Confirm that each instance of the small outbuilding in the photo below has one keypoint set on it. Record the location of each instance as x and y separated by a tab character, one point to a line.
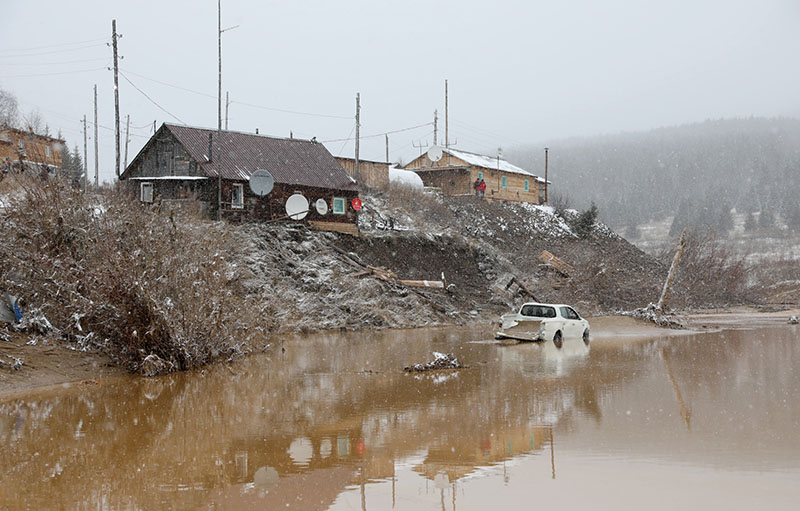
213	169
456	171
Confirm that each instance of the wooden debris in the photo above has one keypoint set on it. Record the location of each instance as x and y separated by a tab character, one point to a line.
557	264
672	270
441	361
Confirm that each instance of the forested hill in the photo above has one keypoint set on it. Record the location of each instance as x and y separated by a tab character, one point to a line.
699	169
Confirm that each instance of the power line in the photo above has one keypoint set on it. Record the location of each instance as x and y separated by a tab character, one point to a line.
252	105
151	99
54	45
59	73
50	52
54	63
347	139
382	134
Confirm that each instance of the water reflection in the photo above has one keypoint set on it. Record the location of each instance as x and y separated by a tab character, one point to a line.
333	419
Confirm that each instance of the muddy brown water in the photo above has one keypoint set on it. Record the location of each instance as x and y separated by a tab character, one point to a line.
701	421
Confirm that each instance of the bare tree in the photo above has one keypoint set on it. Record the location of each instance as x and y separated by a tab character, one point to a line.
9	109
35	123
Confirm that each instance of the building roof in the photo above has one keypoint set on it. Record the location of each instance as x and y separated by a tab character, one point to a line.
290	160
488	162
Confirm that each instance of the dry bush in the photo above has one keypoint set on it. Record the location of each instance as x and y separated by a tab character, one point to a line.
709	273
112	273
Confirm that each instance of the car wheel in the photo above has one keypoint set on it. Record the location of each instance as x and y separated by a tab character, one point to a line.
557	340
586	337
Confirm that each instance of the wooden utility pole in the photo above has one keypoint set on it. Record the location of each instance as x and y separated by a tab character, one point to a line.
671	274
358	128
127	139
96	147
387	147
545	173
114	38
436	127
219	82
85	157
446	118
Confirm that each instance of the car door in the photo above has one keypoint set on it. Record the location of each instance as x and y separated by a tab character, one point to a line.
571	322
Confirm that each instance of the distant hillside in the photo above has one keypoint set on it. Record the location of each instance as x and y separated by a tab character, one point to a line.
696	172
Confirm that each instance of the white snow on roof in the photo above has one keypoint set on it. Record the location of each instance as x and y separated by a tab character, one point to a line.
405	177
488	162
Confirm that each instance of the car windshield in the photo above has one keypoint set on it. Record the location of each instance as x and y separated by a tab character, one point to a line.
538	311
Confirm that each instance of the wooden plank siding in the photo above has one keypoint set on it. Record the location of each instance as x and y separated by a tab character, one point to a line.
370	173
19	145
455	177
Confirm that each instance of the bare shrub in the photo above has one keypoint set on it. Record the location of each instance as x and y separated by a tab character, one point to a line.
115	274
709	273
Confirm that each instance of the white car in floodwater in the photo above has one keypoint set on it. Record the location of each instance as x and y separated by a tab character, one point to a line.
543	322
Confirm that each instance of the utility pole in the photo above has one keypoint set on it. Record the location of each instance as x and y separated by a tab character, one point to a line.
219	48
227	107
435	127
127	139
446	118
387	147
358	128
85	157
546	150
114	38
96	148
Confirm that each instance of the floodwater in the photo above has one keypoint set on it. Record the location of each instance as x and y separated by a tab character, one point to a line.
704	421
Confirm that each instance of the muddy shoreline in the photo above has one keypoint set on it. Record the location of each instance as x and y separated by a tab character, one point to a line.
49	363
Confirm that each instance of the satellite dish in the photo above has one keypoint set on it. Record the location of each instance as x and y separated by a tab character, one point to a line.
261	182
322	206
296	207
435	153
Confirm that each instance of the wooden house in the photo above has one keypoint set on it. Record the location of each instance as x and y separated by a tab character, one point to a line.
456	171
370	173
180	163
25	150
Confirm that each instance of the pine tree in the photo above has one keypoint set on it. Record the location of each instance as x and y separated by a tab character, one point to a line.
750	223
766	220
584	223
724	219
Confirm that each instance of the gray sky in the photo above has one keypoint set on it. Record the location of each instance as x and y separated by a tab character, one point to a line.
519	71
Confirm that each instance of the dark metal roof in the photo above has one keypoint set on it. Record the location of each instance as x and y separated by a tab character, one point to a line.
237	155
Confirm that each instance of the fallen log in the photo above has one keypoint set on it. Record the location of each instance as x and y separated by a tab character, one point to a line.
441	361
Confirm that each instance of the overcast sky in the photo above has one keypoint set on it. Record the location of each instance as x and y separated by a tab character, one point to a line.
519	72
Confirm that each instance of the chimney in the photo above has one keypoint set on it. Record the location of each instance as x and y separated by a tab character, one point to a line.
256	131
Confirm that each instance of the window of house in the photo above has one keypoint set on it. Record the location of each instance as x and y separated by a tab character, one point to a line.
527	186
237	196
21	144
146	192
480	175
504	182
47	151
338	205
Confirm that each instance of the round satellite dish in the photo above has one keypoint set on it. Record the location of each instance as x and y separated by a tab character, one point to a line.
261	182
296	207
435	153
322	206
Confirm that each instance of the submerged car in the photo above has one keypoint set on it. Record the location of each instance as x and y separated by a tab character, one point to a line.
543	322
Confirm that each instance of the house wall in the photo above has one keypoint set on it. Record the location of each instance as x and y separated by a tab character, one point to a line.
273	206
441	174
34	147
451	181
164	157
515	185
370	173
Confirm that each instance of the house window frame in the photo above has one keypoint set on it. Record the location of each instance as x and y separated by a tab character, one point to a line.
237	204
504	182
142	186
47	151
527	185
339	205
480	174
